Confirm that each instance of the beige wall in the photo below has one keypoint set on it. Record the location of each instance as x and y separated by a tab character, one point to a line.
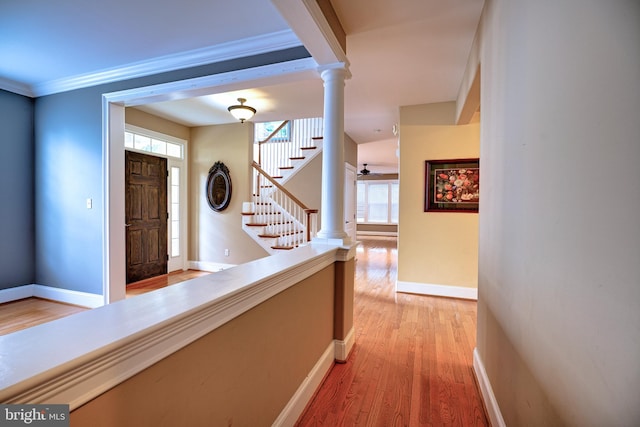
350	151
212	232
306	185
242	373
559	270
434	248
148	121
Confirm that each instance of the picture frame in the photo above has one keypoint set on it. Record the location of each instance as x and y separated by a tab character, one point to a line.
218	191
452	185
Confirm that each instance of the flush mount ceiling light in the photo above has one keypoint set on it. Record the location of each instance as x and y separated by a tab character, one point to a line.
242	112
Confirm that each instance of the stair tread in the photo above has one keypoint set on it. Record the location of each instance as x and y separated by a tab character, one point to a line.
256	224
308	148
282	247
317	137
285	167
248	213
297	158
269	236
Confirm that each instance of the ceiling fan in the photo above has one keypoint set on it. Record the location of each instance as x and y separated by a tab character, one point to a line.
366	172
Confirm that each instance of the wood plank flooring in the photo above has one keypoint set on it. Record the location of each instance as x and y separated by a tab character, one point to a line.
412	361
28	312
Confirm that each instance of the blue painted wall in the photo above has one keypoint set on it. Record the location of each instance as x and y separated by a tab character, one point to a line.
16	191
68	147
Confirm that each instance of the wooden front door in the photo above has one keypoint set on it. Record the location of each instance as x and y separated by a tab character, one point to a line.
146	215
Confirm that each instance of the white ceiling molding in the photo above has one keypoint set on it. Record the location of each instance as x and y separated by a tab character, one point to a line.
236	49
312	28
272	74
15	87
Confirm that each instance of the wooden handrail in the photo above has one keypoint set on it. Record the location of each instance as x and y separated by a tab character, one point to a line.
283	124
279	186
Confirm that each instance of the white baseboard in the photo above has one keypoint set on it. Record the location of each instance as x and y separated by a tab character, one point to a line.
343	348
209	266
307	389
490	402
377	233
17	293
83	299
437	290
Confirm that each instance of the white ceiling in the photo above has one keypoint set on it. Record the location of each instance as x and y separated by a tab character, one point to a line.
401	52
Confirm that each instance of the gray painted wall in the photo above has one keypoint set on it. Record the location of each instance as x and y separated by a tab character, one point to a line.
16	191
68	144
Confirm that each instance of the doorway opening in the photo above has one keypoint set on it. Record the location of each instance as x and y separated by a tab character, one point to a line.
174	150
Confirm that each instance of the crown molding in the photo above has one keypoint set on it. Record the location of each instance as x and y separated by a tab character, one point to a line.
235	49
15	87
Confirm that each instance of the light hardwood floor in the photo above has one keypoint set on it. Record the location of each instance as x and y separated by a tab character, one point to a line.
28	312
412	360
411	364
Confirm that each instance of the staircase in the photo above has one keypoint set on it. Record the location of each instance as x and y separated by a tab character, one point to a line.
276	219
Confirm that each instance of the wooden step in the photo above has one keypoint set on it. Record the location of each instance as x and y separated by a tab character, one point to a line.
269	236
285	167
308	148
277	177
248	213
256	224
316	138
284	248
296	158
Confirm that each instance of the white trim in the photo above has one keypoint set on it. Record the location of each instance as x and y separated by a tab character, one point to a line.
231	50
209	266
490	402
307	389
344	347
156	135
83	369
16	293
16	87
378	233
83	299
113	123
265	75
437	290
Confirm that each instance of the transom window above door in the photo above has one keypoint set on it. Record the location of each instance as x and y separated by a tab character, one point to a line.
143	141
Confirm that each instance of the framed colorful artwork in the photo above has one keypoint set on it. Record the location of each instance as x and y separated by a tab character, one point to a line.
452	185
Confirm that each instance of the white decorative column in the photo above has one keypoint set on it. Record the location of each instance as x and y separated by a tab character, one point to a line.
332	204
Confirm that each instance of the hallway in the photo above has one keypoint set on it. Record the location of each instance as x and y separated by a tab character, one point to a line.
412	360
411	364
